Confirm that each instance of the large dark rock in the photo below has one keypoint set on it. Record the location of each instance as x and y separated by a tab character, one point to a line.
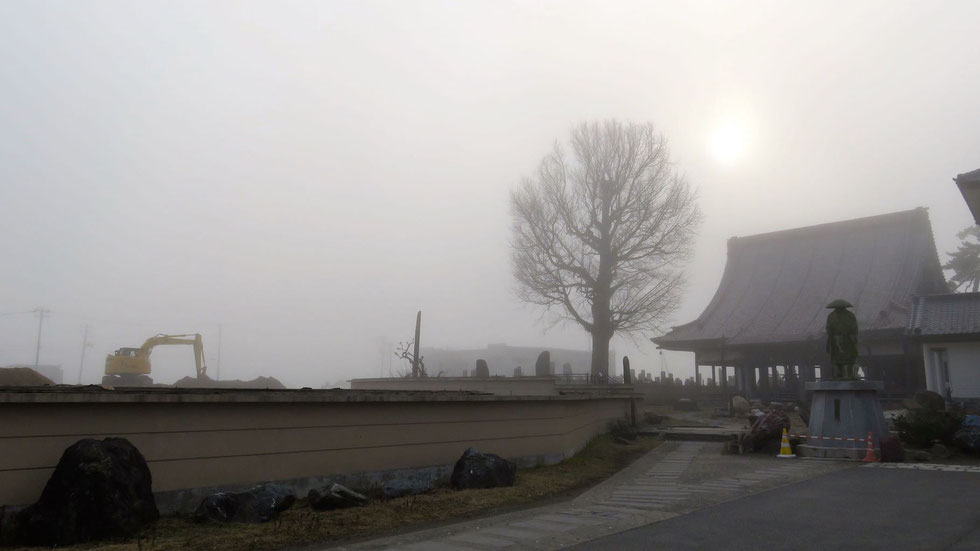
334	497
918	455
940	451
930	400
766	428
100	489
968	438
891	449
482	470
542	366
401	487
259	504
740	406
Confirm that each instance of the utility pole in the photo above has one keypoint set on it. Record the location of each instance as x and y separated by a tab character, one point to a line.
218	376
40	322
416	370
81	363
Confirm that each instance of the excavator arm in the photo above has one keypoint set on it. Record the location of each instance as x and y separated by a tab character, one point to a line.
191	339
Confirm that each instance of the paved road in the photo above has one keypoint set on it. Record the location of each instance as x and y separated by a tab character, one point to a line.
676	478
866	508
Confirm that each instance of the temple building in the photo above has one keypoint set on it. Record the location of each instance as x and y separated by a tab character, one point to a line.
969	184
766	320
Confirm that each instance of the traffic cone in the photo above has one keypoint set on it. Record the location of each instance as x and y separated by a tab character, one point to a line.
869	455
784	450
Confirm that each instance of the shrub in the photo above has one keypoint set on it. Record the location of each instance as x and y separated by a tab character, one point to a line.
652	418
920	427
621	428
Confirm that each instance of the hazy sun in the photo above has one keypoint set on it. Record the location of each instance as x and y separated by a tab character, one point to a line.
728	142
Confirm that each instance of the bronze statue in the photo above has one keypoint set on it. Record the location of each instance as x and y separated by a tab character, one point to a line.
842	333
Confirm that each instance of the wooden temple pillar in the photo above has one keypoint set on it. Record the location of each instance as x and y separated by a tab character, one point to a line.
805	375
745	380
809	373
764	378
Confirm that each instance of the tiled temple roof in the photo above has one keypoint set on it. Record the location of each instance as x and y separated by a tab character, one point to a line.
947	314
776	286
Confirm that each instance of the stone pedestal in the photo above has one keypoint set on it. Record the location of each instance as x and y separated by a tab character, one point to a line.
841	410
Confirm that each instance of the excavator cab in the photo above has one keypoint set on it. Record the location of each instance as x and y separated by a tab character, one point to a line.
126	361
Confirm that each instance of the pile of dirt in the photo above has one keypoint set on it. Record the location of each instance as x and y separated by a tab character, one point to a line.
22	376
207	382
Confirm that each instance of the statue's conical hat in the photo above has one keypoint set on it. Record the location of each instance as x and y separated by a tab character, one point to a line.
840	303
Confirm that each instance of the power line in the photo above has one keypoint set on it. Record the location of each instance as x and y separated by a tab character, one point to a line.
5	314
134	323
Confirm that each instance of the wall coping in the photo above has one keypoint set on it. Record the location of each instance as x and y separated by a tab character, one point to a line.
494	378
98	394
844	385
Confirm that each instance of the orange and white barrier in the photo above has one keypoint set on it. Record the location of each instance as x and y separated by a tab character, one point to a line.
869	455
838	438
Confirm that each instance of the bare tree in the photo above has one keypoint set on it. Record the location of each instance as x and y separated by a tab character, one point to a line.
601	237
404	351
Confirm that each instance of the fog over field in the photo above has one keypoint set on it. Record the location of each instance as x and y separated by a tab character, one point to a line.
308	175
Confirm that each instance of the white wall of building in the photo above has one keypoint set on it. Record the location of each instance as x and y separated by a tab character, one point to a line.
956	364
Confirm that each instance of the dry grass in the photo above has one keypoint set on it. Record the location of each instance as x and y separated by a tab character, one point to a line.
301	526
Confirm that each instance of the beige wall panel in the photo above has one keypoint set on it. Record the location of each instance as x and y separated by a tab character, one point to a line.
221	442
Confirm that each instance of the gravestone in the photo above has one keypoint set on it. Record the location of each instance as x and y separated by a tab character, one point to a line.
482	369
628	380
543	364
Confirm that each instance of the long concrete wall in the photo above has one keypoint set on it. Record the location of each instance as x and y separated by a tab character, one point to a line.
223	438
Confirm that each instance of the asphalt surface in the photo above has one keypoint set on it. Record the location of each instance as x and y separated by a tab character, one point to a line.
866	509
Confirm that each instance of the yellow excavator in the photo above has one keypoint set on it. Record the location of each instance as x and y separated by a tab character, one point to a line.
131	366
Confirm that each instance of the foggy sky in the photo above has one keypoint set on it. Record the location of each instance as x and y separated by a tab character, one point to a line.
309	174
